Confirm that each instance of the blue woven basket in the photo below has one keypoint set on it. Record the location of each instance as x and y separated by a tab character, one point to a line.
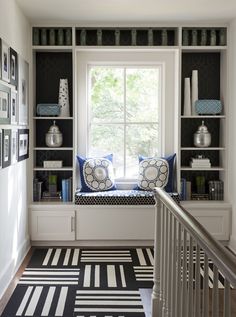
208	106
48	109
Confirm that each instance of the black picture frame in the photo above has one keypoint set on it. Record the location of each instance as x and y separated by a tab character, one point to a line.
6	148
23	91
13	67
5	61
23	144
5	104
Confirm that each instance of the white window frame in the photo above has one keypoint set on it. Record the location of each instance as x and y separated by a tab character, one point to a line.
168	59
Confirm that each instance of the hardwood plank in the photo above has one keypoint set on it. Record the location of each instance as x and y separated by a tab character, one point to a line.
7	295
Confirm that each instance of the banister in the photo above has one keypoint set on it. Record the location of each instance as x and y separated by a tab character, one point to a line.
220	256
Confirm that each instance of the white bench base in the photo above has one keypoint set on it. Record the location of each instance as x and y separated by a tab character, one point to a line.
106	222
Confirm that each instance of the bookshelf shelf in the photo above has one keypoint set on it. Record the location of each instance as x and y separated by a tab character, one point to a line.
202	149
53	169
214	168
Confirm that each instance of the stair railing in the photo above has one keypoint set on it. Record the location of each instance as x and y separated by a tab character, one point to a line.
194	275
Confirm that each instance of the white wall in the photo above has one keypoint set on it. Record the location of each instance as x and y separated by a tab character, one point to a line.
14	238
232	129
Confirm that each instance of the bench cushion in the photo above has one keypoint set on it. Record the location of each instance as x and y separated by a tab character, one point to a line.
118	197
115	197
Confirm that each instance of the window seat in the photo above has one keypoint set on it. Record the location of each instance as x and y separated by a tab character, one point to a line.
118	215
118	197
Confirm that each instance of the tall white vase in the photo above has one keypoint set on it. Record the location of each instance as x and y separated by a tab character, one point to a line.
194	90
63	99
187	97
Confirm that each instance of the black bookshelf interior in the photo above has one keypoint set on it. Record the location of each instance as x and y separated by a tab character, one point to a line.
208	66
50	68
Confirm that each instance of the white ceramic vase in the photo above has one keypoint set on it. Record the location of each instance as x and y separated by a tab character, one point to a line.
63	99
194	90
187	97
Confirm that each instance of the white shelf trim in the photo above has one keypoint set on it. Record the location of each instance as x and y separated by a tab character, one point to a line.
202	148
53	169
204	117
53	148
214	168
53	118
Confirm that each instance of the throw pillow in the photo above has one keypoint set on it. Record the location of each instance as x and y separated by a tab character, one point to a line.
156	172
96	173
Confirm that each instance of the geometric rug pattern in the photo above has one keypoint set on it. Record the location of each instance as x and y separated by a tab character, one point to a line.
83	283
72	282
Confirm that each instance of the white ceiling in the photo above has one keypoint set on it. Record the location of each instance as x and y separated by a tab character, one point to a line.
127	11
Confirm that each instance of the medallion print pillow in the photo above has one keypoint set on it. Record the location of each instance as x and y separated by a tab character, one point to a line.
156	172
153	173
96	173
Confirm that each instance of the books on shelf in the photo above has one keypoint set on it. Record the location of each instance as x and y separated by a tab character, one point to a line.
200	163
67	189
216	190
48	196
186	189
200	196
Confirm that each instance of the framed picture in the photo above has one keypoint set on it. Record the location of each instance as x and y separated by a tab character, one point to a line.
14	106
14	146
23	144
5	63
6	148
0	148
5	99
23	89
13	67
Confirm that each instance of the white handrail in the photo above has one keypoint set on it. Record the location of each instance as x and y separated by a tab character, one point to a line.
188	260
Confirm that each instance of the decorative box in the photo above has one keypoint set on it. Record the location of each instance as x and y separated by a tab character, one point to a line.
208	106
48	109
52	164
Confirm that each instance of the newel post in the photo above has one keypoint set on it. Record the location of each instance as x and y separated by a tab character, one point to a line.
156	304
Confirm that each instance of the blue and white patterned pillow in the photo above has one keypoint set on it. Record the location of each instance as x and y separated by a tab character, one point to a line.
156	172
96	173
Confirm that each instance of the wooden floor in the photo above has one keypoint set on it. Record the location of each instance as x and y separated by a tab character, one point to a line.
4	300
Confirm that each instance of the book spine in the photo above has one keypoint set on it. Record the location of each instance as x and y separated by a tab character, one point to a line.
188	190
64	190
183	189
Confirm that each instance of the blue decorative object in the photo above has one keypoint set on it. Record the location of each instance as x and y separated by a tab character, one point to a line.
163	176
96	174
48	109
208	106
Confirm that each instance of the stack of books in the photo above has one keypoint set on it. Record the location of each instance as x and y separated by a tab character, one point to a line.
200	163
47	196
67	189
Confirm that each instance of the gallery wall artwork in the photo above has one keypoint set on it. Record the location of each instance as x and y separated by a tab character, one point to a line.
14	103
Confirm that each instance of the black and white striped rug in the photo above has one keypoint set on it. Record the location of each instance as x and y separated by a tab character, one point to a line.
83	283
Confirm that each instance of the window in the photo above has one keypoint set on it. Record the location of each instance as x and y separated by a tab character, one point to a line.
103	113
124	105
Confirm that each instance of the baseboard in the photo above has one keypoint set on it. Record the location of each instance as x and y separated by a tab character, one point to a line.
10	270
232	244
95	243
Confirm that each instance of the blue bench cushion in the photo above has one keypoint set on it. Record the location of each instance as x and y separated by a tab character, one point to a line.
117	197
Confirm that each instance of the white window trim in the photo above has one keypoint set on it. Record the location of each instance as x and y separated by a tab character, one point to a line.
169	61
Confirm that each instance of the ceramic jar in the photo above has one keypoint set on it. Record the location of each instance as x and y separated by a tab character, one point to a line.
202	137
54	137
